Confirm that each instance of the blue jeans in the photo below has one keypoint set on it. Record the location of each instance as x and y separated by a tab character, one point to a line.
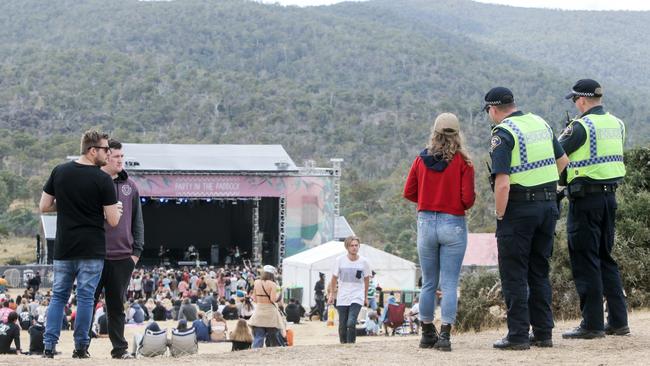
442	240
348	322
87	272
260	334
372	303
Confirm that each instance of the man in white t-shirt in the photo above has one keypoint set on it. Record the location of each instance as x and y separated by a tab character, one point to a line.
352	274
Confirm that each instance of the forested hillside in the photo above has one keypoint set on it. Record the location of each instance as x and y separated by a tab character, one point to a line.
361	81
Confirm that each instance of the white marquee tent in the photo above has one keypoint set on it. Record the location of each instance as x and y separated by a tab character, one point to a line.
301	270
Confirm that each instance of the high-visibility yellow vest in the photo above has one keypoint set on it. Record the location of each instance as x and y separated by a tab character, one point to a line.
533	158
601	156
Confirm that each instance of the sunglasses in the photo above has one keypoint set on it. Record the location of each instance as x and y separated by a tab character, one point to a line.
105	148
487	109
575	98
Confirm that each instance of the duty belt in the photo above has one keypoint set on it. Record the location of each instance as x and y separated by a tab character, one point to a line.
532	196
580	190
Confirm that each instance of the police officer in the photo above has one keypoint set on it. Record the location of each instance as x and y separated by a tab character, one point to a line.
526	161
594	143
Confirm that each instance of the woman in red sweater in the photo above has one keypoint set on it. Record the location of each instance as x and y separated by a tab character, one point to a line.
441	182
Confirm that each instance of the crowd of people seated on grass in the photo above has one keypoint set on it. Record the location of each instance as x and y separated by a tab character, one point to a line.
200	300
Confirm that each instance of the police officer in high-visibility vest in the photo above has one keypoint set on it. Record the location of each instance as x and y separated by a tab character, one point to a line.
594	143
526	161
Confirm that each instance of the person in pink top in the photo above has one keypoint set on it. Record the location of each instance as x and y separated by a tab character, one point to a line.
5	311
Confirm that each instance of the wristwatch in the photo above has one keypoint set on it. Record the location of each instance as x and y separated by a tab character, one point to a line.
497	215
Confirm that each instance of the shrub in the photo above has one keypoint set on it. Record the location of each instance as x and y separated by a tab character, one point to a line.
480	304
14	261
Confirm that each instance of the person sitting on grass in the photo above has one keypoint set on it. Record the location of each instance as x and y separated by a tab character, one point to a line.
36	331
150	344
202	328
218	327
183	340
241	337
10	332
230	311
247	308
293	311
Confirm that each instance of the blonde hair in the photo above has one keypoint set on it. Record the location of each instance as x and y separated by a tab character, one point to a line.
241	333
447	145
349	241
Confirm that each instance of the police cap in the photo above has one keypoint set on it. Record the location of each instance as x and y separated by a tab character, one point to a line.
498	96
585	88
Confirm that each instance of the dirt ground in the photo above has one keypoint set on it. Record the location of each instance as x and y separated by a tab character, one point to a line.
317	344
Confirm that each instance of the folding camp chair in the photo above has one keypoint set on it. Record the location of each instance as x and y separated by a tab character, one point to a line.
394	317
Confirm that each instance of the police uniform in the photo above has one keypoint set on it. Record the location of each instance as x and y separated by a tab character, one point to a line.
594	144
523	147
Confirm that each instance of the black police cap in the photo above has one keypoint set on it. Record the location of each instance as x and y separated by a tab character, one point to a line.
586	88
498	96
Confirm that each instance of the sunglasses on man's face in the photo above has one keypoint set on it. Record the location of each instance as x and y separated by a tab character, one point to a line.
575	98
487	109
105	148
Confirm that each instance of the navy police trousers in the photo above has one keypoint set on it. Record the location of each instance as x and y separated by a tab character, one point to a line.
525	243
590	230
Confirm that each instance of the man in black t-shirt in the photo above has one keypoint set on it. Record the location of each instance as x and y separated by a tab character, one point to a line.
83	197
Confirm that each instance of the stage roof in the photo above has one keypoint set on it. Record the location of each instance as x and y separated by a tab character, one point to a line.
207	158
342	228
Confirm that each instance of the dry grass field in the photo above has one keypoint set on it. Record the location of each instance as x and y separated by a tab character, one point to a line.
317	344
23	249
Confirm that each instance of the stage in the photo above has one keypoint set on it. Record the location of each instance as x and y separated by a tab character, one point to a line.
218	198
215	227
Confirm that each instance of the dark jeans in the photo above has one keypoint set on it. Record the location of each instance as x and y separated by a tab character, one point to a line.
525	244
320	305
348	322
590	230
263	335
319	309
114	282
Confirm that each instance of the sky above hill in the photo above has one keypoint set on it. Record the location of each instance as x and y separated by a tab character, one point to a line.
553	4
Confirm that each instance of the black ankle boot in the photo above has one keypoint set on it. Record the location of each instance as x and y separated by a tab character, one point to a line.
81	353
444	341
429	335
48	353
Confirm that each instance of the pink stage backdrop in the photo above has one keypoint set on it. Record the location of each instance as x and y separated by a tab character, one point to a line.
309	200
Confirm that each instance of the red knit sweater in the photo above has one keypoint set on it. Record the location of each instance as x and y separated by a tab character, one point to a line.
450	190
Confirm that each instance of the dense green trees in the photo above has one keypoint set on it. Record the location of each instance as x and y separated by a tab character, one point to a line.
361	81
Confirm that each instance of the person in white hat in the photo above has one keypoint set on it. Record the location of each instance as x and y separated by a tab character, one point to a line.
267	322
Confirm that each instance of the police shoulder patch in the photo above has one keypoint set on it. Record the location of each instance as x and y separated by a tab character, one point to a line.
495	142
568	131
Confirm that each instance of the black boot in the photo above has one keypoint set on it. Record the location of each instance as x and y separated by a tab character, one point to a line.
81	353
444	342
429	335
48	353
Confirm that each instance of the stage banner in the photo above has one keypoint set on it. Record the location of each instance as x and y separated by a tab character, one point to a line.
197	186
309	219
